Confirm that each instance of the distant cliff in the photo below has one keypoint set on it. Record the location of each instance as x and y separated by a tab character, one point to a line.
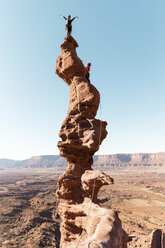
105	161
43	161
137	159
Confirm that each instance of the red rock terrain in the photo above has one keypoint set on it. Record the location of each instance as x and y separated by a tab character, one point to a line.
84	223
28	216
28	206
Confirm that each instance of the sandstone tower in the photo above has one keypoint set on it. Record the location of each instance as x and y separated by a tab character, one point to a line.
84	223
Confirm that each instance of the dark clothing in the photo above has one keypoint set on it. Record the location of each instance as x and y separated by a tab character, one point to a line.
68	28
68	25
87	73
87	76
69	21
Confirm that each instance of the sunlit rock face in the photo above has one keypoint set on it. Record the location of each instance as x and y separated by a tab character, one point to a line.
83	222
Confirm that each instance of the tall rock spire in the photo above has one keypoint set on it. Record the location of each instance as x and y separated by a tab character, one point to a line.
83	220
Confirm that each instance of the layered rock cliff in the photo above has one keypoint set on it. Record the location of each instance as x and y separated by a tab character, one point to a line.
84	223
137	159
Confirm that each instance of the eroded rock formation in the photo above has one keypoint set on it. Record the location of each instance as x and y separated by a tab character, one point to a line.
84	223
157	239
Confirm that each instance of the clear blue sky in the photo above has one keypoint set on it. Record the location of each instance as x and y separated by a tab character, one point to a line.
124	41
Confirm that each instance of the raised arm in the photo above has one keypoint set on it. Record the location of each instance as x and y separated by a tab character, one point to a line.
63	17
74	18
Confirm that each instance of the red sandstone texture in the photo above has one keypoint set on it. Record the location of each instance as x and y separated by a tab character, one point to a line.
84	223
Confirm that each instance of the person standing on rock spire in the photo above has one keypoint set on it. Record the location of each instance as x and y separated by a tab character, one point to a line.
69	21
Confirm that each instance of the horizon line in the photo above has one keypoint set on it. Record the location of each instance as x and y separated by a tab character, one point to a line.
124	153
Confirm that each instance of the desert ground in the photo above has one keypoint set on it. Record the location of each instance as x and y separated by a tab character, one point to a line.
138	195
28	205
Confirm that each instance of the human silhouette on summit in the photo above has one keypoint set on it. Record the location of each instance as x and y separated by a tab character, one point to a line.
69	21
